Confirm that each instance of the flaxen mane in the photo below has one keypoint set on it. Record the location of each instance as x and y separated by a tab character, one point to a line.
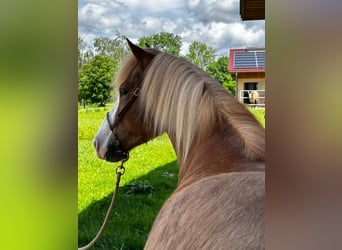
181	98
184	100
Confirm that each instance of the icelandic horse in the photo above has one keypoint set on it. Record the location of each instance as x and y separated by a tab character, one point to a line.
220	146
253	97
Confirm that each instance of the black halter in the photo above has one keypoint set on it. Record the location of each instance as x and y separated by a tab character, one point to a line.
121	115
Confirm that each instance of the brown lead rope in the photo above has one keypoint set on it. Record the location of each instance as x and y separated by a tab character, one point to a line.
120	170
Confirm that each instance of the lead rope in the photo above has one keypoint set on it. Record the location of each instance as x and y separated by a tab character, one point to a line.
120	170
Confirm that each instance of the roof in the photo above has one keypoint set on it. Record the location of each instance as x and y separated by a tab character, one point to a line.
252	9
246	60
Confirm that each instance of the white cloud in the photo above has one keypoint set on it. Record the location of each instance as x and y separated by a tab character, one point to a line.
216	23
153	5
215	11
241	34
96	18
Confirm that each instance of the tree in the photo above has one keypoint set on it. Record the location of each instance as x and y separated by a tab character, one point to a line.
115	48
218	70
81	48
85	53
97	64
165	42
200	54
95	80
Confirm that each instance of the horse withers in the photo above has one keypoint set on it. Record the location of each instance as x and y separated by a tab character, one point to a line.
220	146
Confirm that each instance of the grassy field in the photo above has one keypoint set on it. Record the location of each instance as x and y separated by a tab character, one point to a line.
151	176
259	113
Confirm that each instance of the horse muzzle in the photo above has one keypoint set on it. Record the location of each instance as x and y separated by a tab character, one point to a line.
115	155
114	151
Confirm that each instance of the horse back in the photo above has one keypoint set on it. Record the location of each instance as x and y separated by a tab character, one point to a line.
225	211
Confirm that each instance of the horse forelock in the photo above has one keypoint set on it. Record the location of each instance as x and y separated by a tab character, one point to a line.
126	68
183	100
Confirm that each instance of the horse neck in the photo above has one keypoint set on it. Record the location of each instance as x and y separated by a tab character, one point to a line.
220	152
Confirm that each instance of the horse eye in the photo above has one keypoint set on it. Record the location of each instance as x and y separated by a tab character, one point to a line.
123	91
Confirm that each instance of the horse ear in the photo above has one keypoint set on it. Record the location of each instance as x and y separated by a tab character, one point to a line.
147	45
140	54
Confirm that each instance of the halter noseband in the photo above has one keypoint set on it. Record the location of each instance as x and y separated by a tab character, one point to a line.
121	115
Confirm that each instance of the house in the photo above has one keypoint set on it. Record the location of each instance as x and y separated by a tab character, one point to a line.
247	67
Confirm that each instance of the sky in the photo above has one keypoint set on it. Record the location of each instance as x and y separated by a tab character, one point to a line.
216	23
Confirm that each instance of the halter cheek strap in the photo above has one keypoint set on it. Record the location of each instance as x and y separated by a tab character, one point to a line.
121	115
123	112
115	137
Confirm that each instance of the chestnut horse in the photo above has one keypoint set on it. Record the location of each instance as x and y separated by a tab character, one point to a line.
219	200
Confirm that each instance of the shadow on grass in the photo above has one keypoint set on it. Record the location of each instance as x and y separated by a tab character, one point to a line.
136	207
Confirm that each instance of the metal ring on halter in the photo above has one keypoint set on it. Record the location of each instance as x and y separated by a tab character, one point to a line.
125	156
120	169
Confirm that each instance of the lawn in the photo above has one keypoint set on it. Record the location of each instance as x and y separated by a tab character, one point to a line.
259	113
151	176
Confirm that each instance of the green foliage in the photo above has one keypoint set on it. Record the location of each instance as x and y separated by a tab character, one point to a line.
165	42
146	41
95	80
105	46
89	60
218	70
200	54
115	48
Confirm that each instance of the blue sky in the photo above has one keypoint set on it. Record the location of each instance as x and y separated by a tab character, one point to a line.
216	23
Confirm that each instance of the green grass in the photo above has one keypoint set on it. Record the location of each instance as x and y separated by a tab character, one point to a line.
259	113
151	176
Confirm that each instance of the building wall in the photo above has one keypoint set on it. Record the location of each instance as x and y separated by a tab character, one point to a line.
258	77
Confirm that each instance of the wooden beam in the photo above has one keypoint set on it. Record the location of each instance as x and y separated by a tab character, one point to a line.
252	10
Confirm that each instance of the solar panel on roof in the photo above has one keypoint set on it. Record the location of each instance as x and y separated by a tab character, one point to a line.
249	59
260	59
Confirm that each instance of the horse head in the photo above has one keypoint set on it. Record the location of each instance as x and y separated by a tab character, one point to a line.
123	128
253	96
